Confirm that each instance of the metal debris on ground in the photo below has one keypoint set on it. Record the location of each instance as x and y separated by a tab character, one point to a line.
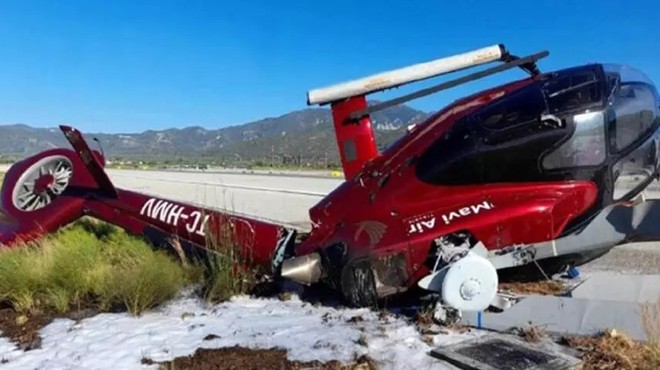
501	352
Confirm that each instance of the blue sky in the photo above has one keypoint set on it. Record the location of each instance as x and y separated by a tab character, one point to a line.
129	66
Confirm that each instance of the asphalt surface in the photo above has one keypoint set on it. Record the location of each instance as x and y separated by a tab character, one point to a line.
284	199
637	258
287	199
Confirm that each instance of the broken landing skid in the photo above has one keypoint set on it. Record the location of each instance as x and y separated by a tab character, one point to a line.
601	302
466	278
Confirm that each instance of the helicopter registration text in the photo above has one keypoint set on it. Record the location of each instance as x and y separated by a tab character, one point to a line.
174	215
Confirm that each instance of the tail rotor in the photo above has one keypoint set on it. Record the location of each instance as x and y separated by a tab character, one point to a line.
42	182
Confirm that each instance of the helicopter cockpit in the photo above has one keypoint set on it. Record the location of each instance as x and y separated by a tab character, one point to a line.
623	130
596	122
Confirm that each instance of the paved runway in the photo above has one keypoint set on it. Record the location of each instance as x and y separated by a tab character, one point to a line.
280	198
287	199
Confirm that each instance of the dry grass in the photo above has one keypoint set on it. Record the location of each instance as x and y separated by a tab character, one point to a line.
424	316
459	328
176	245
615	351
228	270
533	333
546	287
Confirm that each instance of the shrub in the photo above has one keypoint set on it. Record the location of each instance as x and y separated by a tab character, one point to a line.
223	279
22	272
140	278
74	267
92	263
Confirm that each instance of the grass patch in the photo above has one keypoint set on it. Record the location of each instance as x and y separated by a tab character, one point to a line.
228	269
95	264
545	287
616	351
106	268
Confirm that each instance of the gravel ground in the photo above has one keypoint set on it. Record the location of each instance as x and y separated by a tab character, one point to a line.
637	258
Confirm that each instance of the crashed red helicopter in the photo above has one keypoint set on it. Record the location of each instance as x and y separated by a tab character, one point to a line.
519	181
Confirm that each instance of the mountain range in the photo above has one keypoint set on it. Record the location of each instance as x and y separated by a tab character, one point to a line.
302	136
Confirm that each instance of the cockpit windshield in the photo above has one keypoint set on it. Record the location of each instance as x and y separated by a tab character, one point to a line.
626	74
628	114
632	99
633	104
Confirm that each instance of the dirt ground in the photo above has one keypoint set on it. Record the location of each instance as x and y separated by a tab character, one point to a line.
240	358
24	329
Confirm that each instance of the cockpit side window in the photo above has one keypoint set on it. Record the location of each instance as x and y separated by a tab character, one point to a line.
500	142
519	108
586	147
577	96
569	91
634	112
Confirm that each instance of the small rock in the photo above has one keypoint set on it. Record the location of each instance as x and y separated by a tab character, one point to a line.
211	337
29	342
355	319
362	341
284	296
21	320
361	367
432	329
186	315
365	362
147	361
